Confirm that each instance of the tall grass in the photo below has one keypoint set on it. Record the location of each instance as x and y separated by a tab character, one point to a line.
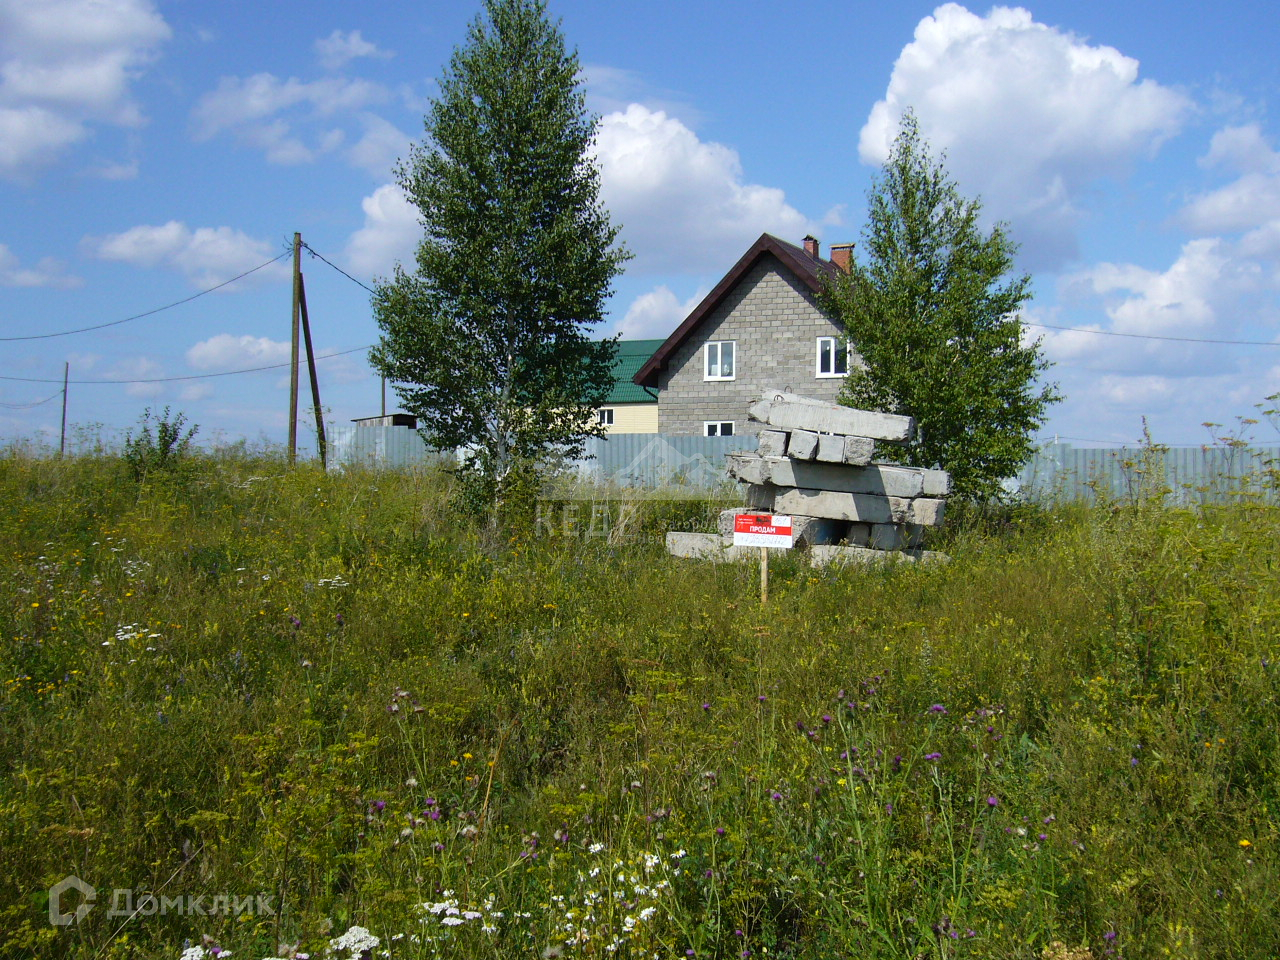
331	692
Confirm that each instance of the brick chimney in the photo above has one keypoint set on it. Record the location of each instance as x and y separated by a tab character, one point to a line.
842	256
811	246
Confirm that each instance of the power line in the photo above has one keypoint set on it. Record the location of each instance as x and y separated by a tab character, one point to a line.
336	267
194	376
1148	336
28	406
139	316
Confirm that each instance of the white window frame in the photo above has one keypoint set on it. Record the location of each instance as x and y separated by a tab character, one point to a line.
817	363
719	426
718	351
604	416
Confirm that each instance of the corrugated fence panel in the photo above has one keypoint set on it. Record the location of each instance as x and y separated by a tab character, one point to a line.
1185	475
660	460
397	448
1057	472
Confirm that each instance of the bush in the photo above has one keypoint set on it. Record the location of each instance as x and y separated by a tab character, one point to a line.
161	450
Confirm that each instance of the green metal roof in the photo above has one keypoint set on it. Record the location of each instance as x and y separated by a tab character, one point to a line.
631	356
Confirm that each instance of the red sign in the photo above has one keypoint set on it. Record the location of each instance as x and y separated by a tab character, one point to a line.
761	530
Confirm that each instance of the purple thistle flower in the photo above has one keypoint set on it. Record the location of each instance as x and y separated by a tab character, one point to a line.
826	718
888	808
1043	837
295	621
993	802
710	873
719	831
762	698
938	708
379	805
706	706
933	756
1133	761
340	620
1109	936
777	796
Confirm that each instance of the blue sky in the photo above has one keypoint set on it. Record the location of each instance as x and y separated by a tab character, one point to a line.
149	150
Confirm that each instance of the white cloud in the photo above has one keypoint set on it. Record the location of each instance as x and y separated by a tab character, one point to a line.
656	314
380	147
195	391
250	109
65	64
338	49
48	272
206	255
683	203
1028	115
1214	290
138	368
391	233
227	352
1253	199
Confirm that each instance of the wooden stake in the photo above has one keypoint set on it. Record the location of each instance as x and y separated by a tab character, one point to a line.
311	369
62	444
293	357
764	575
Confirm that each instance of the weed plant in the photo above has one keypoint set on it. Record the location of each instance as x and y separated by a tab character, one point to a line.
324	715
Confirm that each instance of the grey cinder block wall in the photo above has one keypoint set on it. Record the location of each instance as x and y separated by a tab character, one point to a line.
775	322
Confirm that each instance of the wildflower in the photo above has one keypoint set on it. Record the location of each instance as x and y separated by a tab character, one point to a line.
938	709
295	621
888	808
719	831
762	698
339	619
595	848
826	718
993	802
1133	761
777	797
1245	844
411	783
452	921
379	805
706	706
933	756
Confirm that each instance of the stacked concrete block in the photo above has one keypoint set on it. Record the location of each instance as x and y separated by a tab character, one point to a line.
814	464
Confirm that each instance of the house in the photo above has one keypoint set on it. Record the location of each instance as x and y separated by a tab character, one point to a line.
759	329
630	408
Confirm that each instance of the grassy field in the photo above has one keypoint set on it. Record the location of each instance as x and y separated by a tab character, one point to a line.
304	712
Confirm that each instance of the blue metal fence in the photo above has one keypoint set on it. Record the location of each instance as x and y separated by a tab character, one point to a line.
1057	472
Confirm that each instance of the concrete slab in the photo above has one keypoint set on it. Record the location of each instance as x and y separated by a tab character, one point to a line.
803	414
803	445
773	443
864	507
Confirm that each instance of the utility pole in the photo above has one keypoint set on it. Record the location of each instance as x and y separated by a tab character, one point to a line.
62	444
293	364
315	383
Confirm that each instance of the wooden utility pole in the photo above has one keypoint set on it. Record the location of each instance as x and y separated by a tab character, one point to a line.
321	445
293	361
62	444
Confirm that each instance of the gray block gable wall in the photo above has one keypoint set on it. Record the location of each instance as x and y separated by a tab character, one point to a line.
775	323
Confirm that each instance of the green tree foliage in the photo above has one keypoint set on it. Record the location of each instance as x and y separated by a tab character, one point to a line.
933	309
487	342
160	446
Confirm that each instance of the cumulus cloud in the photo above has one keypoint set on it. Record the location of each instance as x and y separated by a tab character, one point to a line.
206	255
251	108
391	233
65	64
656	314
338	49
381	145
227	352
1250	201
48	272
1213	290
1028	115
683	203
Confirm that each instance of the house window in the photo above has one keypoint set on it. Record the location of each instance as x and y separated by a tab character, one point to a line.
717	428
719	365
605	416
833	357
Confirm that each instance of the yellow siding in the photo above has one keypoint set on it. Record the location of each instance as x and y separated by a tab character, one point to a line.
633	418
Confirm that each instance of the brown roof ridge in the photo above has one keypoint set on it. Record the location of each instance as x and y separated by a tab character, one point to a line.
809	270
